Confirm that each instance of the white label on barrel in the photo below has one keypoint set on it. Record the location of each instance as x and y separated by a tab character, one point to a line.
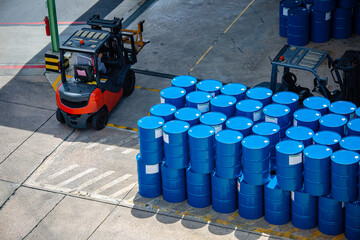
295	123
166	137
151	169
162	100
238	186
327	16
257	115
292	195
158	133
285	11
203	107
342	204
271	119
295	159
217	128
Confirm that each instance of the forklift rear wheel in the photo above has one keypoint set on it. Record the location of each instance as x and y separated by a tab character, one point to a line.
99	120
59	116
129	83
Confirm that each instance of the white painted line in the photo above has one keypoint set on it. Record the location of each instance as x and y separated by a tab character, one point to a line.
91	145
91	181
112	183
124	190
110	148
66	182
61	172
127	151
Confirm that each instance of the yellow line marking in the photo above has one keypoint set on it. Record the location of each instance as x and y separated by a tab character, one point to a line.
338	237
316	234
226	30
55	84
149	89
122	127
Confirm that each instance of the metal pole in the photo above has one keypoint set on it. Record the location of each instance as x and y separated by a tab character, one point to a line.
53	25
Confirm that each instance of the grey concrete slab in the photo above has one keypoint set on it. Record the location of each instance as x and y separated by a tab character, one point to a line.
6	190
24	210
73	218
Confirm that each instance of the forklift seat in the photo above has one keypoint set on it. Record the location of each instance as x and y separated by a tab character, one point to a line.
84	72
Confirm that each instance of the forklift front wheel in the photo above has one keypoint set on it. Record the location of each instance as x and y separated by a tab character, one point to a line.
59	116
99	120
129	83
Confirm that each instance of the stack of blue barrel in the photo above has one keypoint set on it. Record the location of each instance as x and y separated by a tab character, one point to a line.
318	20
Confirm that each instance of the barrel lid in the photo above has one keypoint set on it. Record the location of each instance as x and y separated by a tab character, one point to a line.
265	128
183	81
239	123
198	97
209	85
299	133
298	11
172	92
289	147
285	97
345	157
150	122
316	102
307	115
249	105
318	151
259	93
223	101
163	109
228	136
333	120
176	126
342	107
327	137
276	110
233	89
255	142
357	111
354	124
213	118
351	143
187	113
290	3
201	131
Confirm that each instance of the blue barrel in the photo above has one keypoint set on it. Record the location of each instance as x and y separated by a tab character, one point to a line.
344	175
176	148
278	114
304	209
228	154
284	12
164	110
210	86
330	139
198	187
287	98
186	82
199	100
320	104
351	143
214	119
342	23
236	90
251	109
241	124
255	159
174	96
201	148
224	104
345	108
352	220
189	115
272	132
301	134
324	5
289	164
331	216
224	194
317	170
320	28
250	200
261	94
150	139
353	127
346	3
357	19
173	184
298	26
149	178
307	118
333	122
277	203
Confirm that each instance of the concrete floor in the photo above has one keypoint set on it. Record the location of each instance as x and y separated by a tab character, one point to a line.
61	183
